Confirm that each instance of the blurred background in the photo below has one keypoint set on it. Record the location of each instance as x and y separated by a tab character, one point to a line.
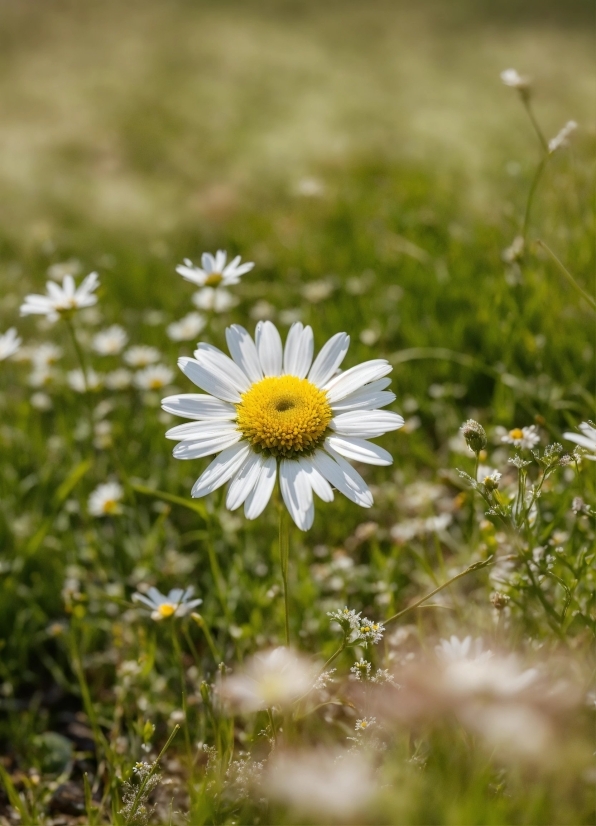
147	117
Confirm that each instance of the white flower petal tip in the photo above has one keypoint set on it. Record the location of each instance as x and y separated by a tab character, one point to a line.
214	272
62	300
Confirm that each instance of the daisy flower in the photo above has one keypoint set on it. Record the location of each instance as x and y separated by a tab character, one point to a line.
118	379
105	500
62	300
216	299
110	342
76	380
154	377
213	271
272	678
9	343
514	80
272	411
586	439
45	354
141	355
177	603
187	328
524	437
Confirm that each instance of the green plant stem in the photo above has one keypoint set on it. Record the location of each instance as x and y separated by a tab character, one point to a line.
143	786
284	552
200	621
98	735
178	650
79	352
586	296
533	186
475	567
528	107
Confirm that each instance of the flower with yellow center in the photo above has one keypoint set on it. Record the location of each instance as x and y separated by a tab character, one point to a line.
64	300
214	272
105	500
177	603
522	437
274	411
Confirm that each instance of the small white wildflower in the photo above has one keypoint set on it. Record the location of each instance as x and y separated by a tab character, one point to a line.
105	500
514	80
323	679
41	377
310	188
187	328
491	480
62	300
361	670
154	377
118	379
316	291
524	438
58	271
370	631
177	603
110	342
365	723
9	343
81	382
561	139
214	299
141	356
214	271
45	354
585	439
383	676
41	401
346	617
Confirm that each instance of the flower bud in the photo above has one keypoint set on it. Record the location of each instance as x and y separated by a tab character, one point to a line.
499	600
474	434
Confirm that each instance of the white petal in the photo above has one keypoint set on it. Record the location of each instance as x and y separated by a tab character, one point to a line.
359	450
347	382
222	468
244	481
244	352
296	493
331	356
220	260
298	351
209	379
192	274
199	430
261	493
210	356
366	398
317	482
208	262
189	449
269	348
198	406
367	424
582	441
343	477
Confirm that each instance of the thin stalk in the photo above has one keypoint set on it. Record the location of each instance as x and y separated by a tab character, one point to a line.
143	786
527	106
178	652
586	296
78	350
200	621
284	552
533	186
476	464
98	734
475	567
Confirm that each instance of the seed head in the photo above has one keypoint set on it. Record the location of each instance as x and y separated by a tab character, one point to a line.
475	435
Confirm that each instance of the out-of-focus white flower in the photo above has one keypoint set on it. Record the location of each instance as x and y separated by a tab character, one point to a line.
455	650
141	356
288	317
177	603
262	309
81	382
516	728
320	783
45	354
512	78
214	271
587	439
41	401
215	299
357	628
272	678
524	438
273	410
310	188
41	376
365	723
62	300
562	138
369	337
105	500
118	379
316	291
154	377
187	328
9	343
110	342
58	271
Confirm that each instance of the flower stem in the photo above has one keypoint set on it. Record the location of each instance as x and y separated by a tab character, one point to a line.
178	652
528	107
568	275
284	552
533	186
78	350
143	786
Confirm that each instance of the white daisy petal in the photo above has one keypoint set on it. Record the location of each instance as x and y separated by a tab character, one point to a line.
582	441
190	449
296	493
198	430
269	348
222	468
207	378
298	351
331	356
210	356
198	406
317	482
350	380
343	477
208	262
244	352
220	260
260	495
244	481
366	424
367	397
359	450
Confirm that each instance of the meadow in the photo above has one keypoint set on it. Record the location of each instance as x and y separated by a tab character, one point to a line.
425	660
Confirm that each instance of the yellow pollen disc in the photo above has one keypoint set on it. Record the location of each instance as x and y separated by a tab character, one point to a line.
166	609
156	384
284	416
110	506
213	279
516	433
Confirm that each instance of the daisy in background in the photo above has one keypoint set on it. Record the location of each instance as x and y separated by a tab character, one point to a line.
214	272
46	354
141	356
64	300
271	411
82	382
9	343
105	500
524	437
154	377
187	328
214	299
118	379
586	439
177	603
110	342
514	80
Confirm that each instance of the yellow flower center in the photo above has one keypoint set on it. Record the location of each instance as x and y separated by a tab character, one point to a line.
110	506
156	384
213	279
284	416
516	433
166	609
